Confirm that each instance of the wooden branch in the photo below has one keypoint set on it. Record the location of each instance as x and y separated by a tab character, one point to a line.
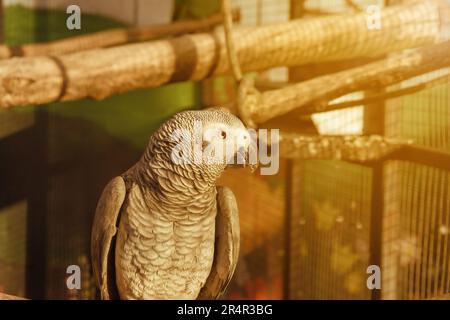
381	97
103	72
305	97
114	37
349	148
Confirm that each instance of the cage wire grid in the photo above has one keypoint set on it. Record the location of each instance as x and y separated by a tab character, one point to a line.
415	253
330	230
417	213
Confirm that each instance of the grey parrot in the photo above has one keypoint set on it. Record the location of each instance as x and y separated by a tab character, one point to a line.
163	229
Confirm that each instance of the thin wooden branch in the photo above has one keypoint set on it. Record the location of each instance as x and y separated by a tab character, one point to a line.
305	97
114	37
427	84
349	147
103	72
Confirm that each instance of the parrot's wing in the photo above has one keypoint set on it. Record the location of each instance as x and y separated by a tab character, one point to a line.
226	248
103	236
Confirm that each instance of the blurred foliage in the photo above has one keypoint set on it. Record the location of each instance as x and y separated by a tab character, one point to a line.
354	283
333	220
326	214
132	116
343	258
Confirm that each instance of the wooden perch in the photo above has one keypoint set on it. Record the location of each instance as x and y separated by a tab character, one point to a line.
113	37
348	148
306	97
103	72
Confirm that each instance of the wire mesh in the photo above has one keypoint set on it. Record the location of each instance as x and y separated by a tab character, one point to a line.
421	212
415	254
330	230
415	247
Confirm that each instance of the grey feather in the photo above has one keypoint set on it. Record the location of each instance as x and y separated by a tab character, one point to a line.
226	246
103	236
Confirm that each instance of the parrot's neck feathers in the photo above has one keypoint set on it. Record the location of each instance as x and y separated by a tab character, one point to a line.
167	178
172	191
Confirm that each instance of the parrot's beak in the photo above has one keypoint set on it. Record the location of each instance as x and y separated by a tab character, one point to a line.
241	159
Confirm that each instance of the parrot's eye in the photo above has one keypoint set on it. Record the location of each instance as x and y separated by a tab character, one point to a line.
223	134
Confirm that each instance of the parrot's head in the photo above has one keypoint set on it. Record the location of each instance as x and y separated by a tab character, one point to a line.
206	141
224	135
